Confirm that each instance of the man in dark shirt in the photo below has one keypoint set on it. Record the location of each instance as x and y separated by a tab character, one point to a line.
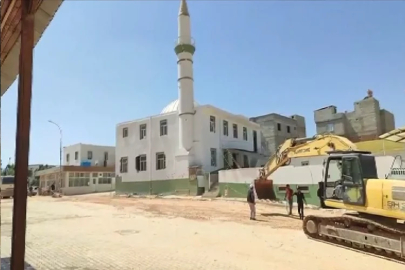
251	201
300	202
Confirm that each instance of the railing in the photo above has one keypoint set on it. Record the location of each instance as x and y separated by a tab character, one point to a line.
181	41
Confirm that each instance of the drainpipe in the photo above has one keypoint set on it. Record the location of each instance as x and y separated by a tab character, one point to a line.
150	155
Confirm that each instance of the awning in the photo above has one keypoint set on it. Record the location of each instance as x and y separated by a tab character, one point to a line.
10	34
396	135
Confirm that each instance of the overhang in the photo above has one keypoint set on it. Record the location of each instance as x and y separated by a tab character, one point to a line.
396	135
11	30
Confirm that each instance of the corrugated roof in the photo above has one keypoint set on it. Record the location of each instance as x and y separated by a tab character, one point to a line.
11	47
396	135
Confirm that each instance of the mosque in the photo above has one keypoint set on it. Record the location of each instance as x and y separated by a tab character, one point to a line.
168	152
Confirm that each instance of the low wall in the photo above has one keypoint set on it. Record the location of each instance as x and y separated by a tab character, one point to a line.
157	187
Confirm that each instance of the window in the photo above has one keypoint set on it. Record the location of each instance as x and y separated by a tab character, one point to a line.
330	127
104	181
124	165
278	126
143	163
304	163
67	157
160	161
125	132
89	155
212	124
142	131
288	129
140	163
79	179
94	174
226	158
245	135
235	130
105	155
226	128
213	157
76	155
245	161
163	127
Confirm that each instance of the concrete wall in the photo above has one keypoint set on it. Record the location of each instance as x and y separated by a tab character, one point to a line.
387	121
98	154
366	122
297	175
277	128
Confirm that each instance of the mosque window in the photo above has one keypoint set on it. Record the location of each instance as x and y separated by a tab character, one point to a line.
142	131
160	161
213	157
212	124
125	132
163	127
235	130
226	128
245	134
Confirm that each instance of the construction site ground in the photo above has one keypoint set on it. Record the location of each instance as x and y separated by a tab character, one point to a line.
101	231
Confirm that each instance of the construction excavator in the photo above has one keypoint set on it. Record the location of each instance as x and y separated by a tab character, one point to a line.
375	208
318	145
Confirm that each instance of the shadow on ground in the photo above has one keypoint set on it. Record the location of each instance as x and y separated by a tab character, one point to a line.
279	215
6	264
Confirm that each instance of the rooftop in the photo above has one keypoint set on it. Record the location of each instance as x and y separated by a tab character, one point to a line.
11	30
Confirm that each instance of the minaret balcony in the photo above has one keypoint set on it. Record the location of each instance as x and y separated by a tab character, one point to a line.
184	44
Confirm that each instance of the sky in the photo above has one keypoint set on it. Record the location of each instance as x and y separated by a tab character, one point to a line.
100	63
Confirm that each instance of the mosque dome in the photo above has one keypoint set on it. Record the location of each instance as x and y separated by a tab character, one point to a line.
173	107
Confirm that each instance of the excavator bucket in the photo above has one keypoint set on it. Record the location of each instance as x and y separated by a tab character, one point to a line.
264	189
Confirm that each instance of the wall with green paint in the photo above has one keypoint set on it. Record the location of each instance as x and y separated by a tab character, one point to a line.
156	187
234	190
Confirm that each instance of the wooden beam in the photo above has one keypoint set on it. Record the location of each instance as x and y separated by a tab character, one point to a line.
23	135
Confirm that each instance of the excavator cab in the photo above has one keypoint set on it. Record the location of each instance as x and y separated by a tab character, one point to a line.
345	176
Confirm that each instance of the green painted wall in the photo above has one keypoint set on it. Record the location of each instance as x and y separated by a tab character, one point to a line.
240	191
183	186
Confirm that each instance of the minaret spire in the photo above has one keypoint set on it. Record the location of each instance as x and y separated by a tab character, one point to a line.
183	8
185	49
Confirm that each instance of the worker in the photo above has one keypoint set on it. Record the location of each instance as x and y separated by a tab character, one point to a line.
289	198
300	201
251	202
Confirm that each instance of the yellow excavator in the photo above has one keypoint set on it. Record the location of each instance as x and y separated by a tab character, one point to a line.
318	145
376	207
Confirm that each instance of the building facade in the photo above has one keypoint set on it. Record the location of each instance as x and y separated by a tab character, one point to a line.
77	180
148	149
277	128
366	122
89	155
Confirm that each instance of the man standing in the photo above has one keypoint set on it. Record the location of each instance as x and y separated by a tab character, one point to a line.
300	202
251	201
289	198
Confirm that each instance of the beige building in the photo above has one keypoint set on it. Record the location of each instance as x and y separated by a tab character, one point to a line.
366	122
78	180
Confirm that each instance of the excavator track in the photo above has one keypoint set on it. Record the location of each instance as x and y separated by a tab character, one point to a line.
358	233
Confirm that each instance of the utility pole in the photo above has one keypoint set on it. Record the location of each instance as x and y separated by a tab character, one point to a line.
60	153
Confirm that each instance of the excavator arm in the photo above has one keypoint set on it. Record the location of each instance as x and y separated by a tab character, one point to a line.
304	147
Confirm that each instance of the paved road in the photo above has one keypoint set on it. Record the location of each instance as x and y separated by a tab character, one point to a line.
74	235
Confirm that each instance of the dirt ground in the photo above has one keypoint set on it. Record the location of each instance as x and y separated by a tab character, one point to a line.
100	231
204	210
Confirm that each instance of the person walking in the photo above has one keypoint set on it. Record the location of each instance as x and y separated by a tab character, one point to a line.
289	198
300	201
252	202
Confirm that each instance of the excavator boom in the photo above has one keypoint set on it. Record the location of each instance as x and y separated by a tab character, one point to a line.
305	147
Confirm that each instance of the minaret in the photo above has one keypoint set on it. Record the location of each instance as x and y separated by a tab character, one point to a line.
184	50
